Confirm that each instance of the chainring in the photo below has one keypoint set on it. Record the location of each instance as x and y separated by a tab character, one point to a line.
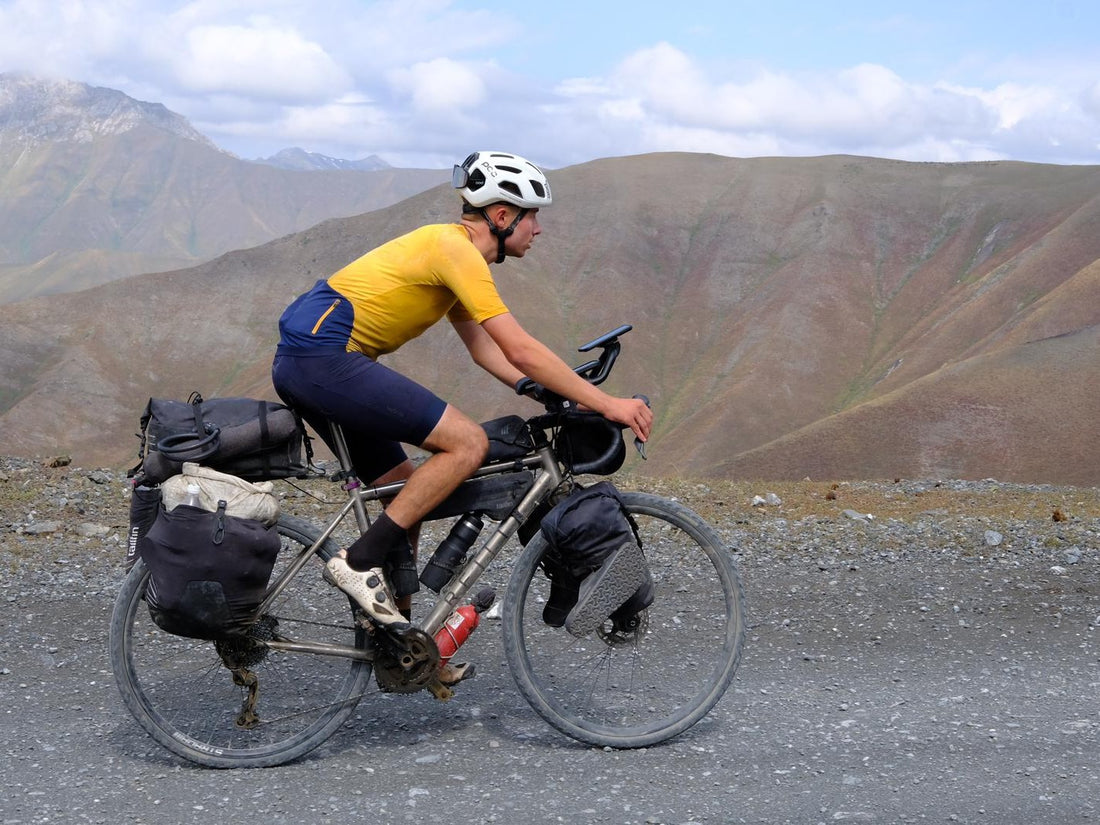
406	661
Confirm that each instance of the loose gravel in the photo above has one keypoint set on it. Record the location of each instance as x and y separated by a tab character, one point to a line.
918	650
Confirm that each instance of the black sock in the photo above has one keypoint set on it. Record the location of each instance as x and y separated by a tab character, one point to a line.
381	539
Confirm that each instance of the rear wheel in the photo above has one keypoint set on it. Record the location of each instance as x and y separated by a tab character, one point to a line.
241	703
633	686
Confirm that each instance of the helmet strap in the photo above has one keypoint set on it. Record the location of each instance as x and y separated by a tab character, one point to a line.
502	234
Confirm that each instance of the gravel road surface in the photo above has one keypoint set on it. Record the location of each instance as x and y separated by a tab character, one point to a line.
917	652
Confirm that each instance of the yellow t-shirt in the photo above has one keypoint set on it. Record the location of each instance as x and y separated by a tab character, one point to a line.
393	293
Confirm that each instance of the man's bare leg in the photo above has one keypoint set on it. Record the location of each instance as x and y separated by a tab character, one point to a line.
458	445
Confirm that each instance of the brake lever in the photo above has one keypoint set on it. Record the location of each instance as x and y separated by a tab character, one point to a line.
639	445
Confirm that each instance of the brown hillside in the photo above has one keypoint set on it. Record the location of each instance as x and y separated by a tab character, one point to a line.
79	214
793	317
1029	412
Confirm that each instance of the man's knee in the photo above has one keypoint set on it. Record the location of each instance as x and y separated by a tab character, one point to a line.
476	444
460	435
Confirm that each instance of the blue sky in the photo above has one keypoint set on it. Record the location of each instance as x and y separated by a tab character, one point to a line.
423	82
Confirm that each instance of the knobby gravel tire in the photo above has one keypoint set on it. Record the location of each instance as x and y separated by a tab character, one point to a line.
634	689
179	691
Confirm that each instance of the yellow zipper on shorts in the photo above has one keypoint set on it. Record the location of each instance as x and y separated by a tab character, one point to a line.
327	313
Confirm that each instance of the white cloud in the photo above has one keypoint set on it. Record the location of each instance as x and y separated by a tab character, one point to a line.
440	86
421	82
660	98
66	38
342	127
260	61
1090	101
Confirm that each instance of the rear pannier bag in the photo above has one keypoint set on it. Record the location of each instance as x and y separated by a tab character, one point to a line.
244	499
208	571
144	507
255	440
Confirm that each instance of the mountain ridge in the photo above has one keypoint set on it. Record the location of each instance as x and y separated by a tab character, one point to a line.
833	317
36	110
297	159
96	186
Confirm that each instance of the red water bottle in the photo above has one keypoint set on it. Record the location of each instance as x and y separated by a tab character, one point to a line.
461	623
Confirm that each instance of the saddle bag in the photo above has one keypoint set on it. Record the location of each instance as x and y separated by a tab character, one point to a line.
208	571
252	439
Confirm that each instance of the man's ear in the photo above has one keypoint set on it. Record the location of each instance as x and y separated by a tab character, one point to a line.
500	214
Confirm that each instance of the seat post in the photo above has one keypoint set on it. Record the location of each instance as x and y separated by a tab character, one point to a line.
351	480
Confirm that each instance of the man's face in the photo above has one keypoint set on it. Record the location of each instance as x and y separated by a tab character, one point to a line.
523	235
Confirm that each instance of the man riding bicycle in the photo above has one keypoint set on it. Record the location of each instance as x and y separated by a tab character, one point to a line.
326	365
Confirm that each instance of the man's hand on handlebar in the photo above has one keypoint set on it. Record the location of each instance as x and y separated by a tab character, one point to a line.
627	412
630	412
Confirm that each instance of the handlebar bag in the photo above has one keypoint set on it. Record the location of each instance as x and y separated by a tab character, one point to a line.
252	439
589	443
208	570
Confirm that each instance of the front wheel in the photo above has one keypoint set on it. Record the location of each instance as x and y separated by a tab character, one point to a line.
630	688
277	706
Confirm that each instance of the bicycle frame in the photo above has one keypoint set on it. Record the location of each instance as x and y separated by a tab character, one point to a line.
547	478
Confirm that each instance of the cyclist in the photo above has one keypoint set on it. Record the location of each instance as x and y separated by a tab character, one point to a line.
331	337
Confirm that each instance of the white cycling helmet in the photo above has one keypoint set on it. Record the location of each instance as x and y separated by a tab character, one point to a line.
495	177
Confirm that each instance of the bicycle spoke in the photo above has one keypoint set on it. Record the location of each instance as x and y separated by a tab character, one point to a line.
632	688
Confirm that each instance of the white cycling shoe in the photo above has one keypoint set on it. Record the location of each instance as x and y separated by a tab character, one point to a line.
369	589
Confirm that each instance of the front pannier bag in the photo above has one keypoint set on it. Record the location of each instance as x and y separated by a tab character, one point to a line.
208	570
582	531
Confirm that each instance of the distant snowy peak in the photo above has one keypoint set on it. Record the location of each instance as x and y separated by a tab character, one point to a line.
39	110
303	161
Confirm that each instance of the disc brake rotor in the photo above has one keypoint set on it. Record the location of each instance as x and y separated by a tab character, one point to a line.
615	632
